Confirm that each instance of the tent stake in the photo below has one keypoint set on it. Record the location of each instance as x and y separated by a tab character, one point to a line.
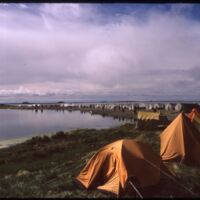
137	191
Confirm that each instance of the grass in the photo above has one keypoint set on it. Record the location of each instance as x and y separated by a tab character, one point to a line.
52	163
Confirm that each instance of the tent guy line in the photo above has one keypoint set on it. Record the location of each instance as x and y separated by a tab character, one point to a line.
171	178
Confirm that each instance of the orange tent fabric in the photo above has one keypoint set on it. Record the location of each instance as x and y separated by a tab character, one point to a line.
112	166
180	141
144	115
194	116
147	120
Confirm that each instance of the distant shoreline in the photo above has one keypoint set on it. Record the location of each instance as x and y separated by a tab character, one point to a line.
108	102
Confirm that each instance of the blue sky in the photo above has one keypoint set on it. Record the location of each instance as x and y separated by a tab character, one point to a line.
100	51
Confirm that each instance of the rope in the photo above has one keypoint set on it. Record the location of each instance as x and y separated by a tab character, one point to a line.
137	191
172	178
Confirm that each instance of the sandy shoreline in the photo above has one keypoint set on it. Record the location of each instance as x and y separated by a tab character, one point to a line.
10	142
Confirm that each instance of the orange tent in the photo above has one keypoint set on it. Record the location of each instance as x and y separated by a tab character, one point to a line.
180	141
112	166
147	120
145	115
194	116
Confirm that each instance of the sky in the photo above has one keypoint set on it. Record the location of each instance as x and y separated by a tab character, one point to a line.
71	51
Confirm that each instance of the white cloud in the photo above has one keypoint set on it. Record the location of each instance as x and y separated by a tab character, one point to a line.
20	91
4	4
65	48
21	5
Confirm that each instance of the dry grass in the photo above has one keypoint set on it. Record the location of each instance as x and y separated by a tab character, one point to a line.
53	163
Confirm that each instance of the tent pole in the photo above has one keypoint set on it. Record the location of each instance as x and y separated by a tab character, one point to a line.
137	191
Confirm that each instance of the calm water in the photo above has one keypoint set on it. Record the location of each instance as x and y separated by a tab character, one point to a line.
27	123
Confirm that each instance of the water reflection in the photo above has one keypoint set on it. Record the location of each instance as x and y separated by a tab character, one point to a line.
22	123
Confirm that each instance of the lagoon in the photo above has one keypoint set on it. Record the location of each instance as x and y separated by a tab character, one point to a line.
16	123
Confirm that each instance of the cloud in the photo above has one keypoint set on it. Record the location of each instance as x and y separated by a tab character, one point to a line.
194	73
75	49
20	91
21	5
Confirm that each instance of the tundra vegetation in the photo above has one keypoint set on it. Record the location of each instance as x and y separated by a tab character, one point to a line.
46	166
